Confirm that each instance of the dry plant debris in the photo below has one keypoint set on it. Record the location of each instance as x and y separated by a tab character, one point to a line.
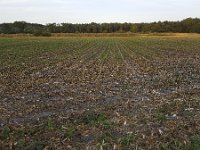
139	92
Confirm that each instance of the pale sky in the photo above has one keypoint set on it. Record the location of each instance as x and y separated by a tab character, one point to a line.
86	11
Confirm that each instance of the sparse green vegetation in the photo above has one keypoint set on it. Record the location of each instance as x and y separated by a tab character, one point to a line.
70	133
105	92
50	124
127	140
95	119
160	117
5	133
195	143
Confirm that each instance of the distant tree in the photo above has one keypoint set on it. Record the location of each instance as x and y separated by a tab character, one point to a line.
134	28
186	25
51	27
19	26
6	28
195	28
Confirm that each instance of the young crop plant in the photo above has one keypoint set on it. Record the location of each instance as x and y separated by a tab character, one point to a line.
100	91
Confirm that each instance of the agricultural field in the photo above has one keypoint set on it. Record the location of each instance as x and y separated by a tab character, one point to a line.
106	92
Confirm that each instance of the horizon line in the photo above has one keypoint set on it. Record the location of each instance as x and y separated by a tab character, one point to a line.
101	22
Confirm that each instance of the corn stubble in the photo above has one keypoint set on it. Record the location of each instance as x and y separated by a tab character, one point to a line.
140	92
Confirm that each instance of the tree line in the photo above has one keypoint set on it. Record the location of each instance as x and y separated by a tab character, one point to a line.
189	25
